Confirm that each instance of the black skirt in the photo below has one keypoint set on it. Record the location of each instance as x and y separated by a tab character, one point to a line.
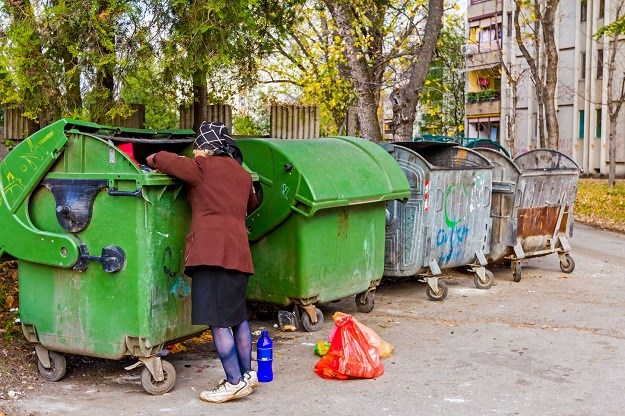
218	296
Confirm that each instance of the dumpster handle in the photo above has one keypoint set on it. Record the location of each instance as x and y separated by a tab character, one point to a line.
116	192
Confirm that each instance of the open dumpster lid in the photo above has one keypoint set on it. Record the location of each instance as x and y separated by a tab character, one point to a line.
446	155
306	176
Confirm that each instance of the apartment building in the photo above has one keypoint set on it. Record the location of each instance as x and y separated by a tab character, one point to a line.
497	73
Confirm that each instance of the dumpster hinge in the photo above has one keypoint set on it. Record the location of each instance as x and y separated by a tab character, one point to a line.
113	258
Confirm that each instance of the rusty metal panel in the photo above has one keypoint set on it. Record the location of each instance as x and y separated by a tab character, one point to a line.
537	221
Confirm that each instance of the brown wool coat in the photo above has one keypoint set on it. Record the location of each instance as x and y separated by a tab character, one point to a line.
220	195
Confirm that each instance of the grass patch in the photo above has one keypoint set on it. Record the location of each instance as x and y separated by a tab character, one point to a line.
600	206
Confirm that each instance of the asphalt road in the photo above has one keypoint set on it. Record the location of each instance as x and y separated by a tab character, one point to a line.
552	344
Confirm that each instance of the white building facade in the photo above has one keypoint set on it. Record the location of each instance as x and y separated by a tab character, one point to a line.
496	70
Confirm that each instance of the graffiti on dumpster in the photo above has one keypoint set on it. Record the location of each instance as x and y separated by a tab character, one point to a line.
13	183
171	264
33	158
451	238
180	287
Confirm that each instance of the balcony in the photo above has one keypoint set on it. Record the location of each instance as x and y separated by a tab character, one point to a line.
483	102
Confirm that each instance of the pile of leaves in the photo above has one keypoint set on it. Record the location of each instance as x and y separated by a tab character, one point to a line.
18	364
600	206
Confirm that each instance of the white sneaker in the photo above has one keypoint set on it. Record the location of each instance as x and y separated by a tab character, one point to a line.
252	378
226	391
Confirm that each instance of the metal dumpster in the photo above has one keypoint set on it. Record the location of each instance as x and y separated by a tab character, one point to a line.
318	234
533	207
100	246
446	221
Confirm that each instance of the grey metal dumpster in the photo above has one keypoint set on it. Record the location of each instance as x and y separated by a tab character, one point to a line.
532	207
446	221
503	206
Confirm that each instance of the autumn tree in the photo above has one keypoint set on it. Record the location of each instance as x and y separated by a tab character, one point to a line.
615	88
442	98
60	57
534	28
376	34
308	61
209	39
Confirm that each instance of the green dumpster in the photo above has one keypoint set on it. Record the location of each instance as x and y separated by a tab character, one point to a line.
319	232
99	241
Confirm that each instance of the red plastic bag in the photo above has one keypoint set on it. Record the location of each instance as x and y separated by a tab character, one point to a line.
384	348
351	355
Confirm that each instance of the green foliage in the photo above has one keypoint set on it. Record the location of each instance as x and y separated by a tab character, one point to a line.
247	125
442	98
613	29
481	96
89	58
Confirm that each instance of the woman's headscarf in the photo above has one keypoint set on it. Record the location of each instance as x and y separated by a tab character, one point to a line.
215	137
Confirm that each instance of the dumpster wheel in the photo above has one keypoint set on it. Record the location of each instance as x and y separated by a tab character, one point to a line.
154	387
569	266
57	369
307	322
442	291
517	272
365	301
487	282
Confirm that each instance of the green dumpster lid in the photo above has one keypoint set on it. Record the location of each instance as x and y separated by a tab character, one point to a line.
306	176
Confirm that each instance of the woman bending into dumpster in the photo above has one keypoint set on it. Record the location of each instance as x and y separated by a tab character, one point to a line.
217	254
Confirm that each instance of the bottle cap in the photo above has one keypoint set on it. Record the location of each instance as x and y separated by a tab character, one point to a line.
264	333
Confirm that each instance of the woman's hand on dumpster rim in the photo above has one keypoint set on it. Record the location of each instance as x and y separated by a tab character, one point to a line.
150	160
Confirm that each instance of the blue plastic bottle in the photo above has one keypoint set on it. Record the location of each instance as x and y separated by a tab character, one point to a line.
264	357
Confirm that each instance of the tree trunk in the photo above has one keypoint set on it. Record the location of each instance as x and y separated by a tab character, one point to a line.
105	78
615	98
512	120
551	74
72	81
545	78
405	100
200	98
362	76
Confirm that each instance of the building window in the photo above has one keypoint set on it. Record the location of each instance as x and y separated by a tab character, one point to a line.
598	128
581	124
583	15
601	9
599	63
